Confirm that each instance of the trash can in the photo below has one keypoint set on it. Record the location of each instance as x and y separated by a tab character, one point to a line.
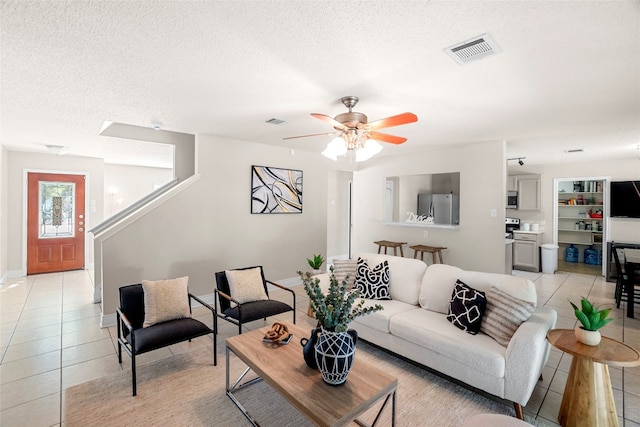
549	257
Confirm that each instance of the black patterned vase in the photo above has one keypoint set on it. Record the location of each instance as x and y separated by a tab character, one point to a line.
309	348
334	355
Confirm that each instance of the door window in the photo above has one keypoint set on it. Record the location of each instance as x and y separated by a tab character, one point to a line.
56	209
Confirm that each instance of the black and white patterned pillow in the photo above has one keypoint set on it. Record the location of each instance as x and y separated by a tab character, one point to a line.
372	283
466	308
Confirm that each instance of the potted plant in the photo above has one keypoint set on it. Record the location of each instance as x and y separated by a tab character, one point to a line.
591	319
334	310
315	263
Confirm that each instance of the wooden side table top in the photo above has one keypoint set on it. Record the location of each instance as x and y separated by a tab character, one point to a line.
609	351
425	248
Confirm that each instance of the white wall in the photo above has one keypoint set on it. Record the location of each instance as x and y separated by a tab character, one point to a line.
209	227
4	182
338	215
124	184
478	243
21	162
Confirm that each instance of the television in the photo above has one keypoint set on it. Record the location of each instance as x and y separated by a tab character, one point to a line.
625	199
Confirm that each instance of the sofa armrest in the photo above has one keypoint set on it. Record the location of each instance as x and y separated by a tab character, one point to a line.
527	354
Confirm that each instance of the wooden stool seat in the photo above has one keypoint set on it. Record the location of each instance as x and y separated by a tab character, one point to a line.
388	244
432	249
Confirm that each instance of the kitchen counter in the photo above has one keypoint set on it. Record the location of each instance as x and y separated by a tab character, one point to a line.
529	232
508	241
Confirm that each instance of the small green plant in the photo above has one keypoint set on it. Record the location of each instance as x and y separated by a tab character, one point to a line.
590	316
335	309
316	262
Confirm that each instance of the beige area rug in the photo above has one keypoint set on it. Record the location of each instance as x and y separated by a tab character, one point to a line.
187	390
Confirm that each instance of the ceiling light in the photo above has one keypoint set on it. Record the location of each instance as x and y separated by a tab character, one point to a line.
58	150
352	140
519	159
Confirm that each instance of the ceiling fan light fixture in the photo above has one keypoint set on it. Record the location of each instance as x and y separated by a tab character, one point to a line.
335	148
370	149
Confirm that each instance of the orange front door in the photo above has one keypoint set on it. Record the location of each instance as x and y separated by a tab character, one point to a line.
55	222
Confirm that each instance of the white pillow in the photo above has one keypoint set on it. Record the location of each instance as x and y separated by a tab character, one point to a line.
344	267
165	300
246	285
437	286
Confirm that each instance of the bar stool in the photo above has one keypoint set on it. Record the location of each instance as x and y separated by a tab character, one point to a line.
432	249
388	244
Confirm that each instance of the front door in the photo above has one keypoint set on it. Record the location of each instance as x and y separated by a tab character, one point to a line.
55	222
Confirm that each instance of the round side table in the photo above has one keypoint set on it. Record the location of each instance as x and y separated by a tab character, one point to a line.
588	397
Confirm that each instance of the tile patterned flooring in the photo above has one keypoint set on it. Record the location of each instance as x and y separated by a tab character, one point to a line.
50	339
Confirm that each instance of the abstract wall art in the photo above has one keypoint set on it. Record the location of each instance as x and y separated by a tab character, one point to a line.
275	190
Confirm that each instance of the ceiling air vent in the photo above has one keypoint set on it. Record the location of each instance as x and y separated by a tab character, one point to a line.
275	121
473	49
574	150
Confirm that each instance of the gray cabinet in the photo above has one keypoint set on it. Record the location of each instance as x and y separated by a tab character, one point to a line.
526	251
529	192
528	188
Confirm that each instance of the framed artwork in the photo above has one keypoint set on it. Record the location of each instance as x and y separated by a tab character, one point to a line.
275	190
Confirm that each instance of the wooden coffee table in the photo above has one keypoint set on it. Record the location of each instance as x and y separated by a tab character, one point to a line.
284	369
588	397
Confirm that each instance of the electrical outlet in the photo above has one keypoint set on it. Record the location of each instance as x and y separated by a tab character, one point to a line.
426	233
494	213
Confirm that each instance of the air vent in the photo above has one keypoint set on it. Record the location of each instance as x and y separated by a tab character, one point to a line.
275	121
575	150
473	49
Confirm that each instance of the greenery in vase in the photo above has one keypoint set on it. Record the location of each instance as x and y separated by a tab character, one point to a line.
316	262
590	316
335	309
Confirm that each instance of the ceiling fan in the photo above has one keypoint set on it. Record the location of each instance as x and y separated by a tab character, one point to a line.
355	133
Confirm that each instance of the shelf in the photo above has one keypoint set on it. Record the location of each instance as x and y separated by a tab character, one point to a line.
561	205
567	242
580	231
587	218
579	192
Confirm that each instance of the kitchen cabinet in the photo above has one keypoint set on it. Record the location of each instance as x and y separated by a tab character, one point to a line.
526	250
579	218
529	192
528	188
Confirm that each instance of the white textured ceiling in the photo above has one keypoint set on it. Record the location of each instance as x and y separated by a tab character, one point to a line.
568	75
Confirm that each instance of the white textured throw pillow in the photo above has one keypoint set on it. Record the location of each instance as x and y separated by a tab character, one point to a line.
165	300
343	268
503	315
246	285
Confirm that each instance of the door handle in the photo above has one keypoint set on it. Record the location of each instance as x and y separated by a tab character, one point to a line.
81	229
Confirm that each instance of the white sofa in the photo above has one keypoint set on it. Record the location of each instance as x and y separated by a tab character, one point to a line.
413	325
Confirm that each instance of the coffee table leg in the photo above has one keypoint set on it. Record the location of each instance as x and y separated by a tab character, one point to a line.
391	396
236	386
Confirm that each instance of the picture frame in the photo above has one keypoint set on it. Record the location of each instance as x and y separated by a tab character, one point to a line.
275	190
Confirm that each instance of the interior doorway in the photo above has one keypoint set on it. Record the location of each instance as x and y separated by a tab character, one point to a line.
55	222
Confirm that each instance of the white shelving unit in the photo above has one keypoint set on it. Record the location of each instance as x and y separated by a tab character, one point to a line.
579	214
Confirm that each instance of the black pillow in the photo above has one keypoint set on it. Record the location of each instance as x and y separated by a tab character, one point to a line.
372	283
466	307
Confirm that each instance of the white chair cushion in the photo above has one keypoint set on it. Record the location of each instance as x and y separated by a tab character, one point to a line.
165	300
246	285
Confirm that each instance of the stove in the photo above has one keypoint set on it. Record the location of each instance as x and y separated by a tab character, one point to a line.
511	224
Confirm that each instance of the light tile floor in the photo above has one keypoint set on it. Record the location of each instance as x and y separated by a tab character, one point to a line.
50	339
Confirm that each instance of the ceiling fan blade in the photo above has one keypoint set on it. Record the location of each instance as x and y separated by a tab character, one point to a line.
313	134
330	120
400	119
384	137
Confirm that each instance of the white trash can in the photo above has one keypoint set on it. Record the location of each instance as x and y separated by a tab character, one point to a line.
549	257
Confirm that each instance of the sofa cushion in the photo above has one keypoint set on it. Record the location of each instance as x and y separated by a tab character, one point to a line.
437	285
372	283
504	314
345	269
466	308
405	275
165	300
433	331
379	320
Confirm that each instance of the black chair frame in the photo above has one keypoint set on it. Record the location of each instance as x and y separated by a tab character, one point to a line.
138	340
249	311
623	280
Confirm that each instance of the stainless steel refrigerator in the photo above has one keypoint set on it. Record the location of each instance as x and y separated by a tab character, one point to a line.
444	208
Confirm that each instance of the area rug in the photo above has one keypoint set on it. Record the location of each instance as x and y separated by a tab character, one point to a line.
187	390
